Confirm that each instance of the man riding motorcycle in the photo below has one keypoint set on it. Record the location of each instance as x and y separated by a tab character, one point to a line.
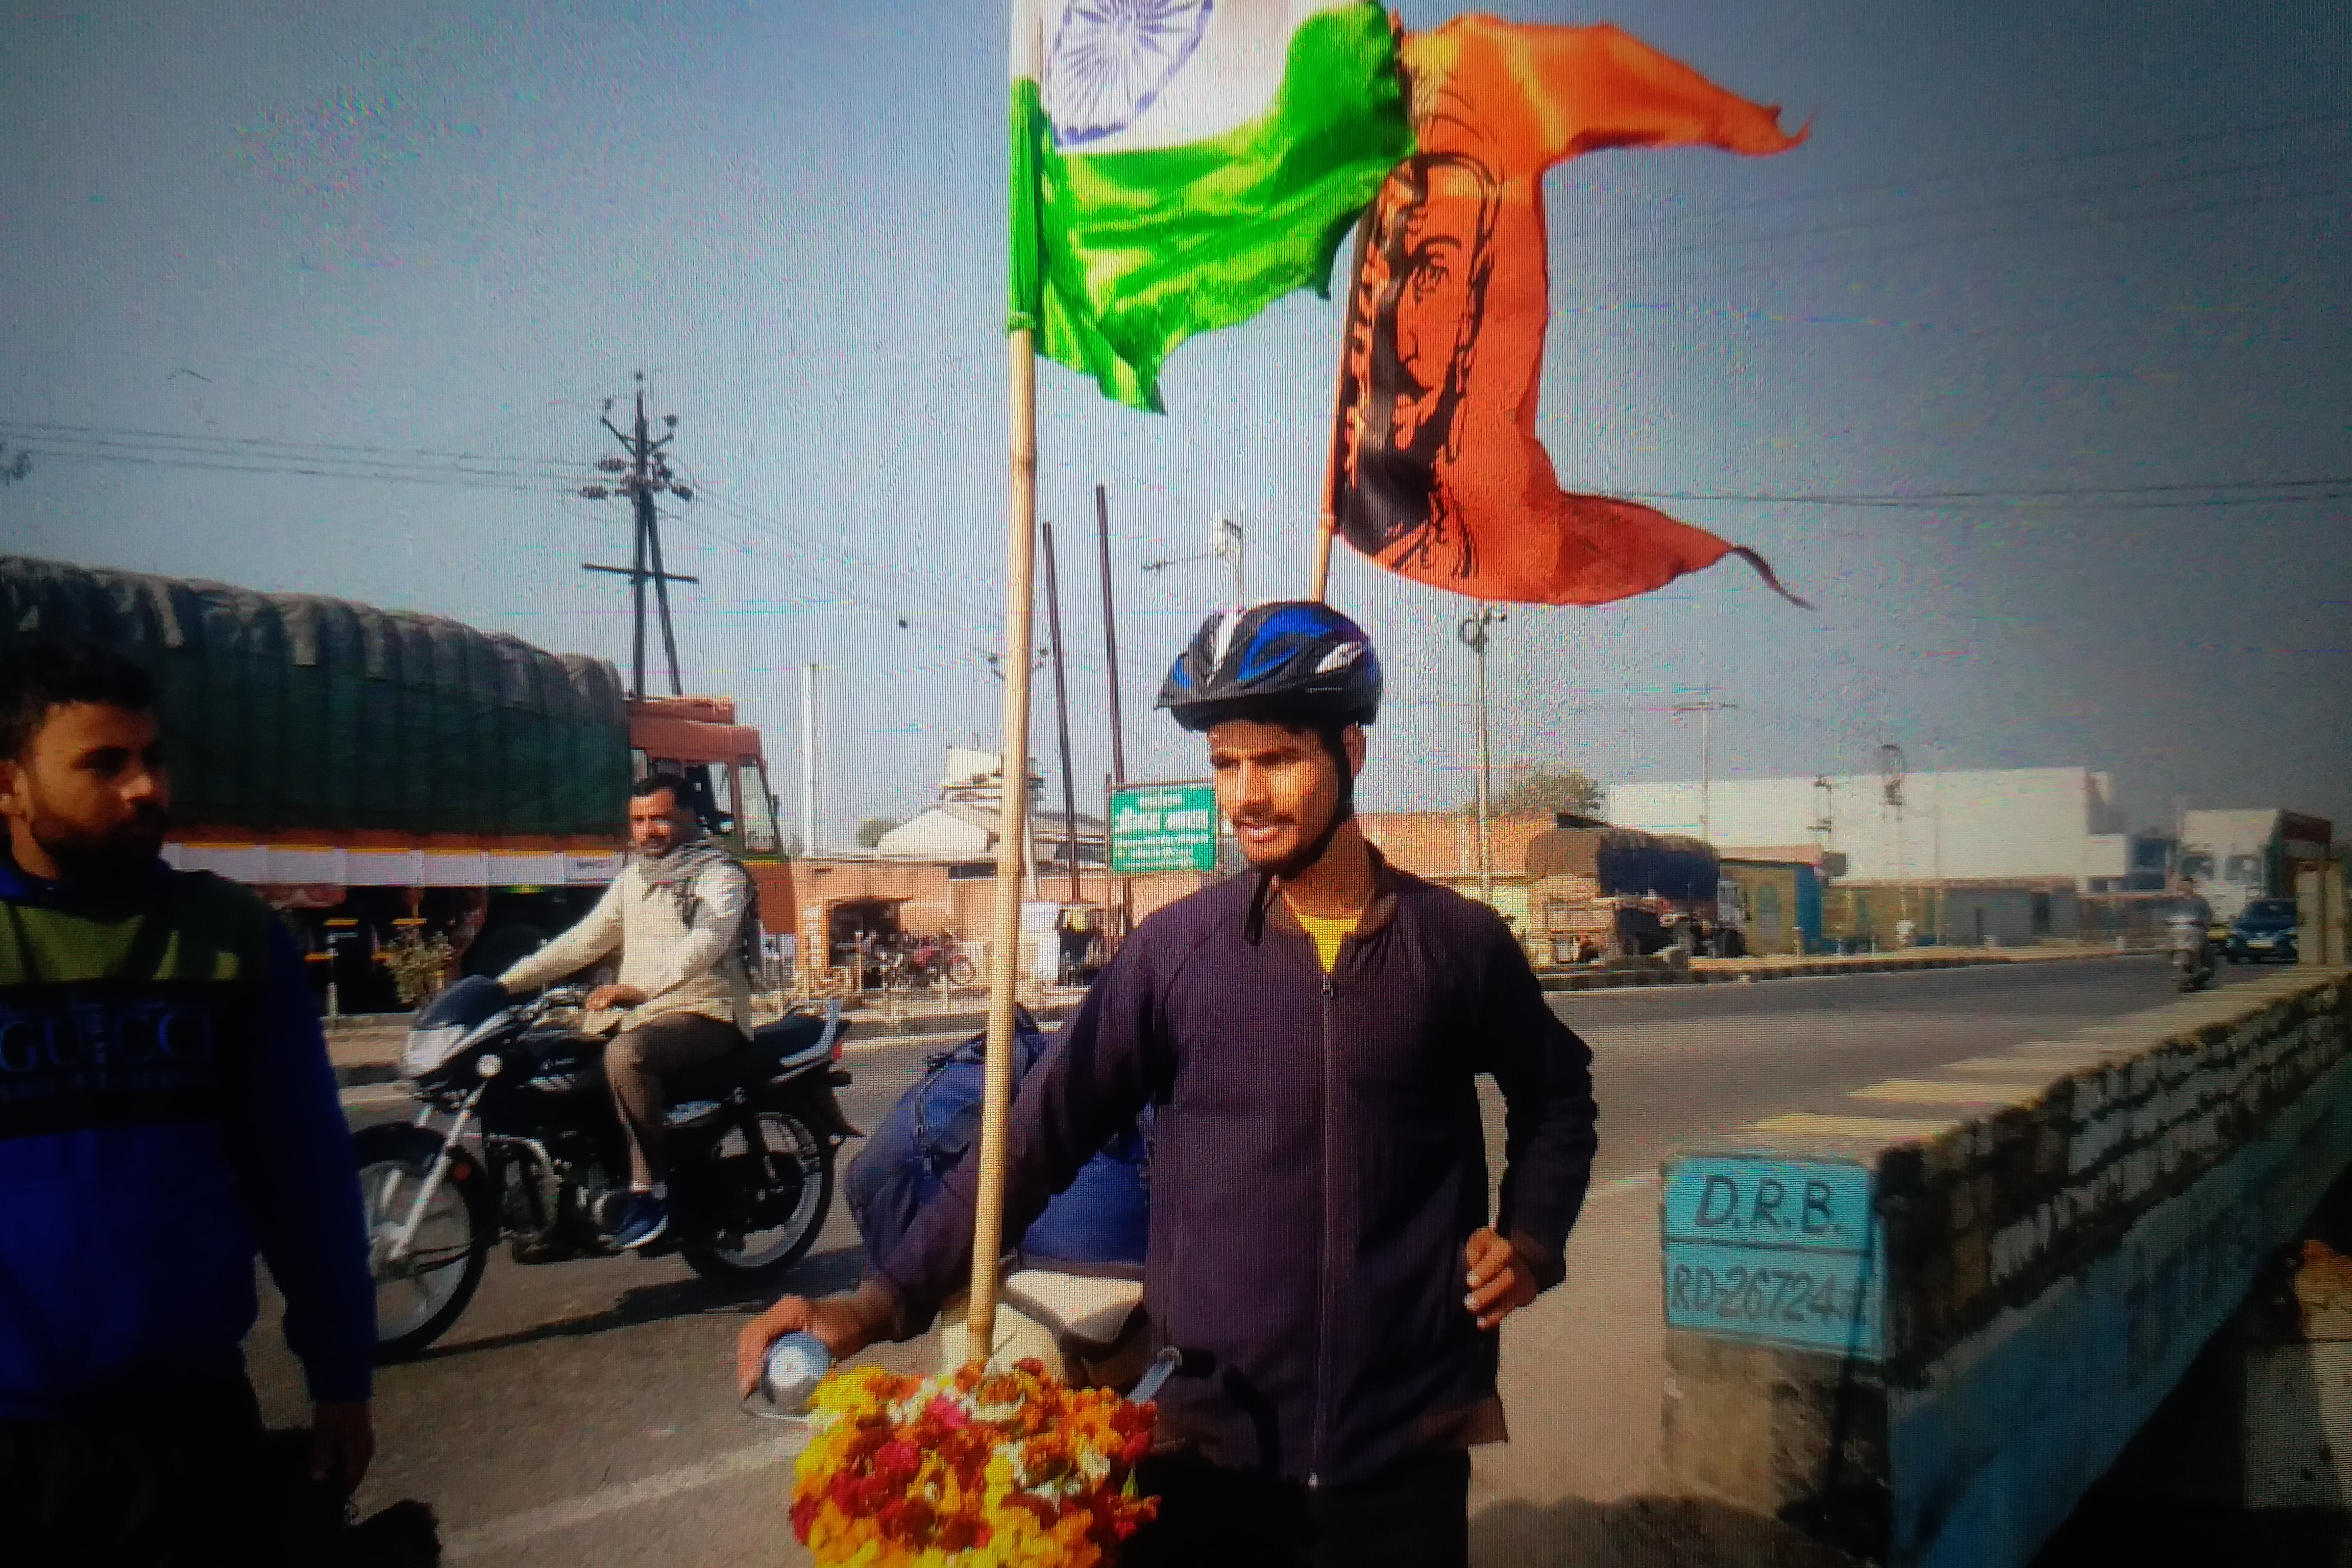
2192	924
2193	904
1320	1248
680	913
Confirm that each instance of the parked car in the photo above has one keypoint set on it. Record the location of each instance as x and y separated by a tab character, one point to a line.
2264	932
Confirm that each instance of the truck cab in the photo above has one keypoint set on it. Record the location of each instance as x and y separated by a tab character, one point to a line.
697	738
722	762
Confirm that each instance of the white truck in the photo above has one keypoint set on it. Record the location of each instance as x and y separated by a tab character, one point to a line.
2239	854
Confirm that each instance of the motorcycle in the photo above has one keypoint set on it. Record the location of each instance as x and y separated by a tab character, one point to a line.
534	1150
930	961
2192	953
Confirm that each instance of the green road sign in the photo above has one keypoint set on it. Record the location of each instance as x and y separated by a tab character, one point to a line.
1163	827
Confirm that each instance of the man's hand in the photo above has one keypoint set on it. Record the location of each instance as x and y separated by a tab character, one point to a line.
342	1442
847	1324
606	996
1499	1283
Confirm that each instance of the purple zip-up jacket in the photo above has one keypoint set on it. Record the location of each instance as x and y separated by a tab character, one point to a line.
1319	1164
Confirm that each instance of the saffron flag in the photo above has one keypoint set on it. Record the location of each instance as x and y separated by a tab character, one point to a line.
1179	164
1437	472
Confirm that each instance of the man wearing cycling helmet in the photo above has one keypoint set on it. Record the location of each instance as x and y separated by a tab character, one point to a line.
1320	1247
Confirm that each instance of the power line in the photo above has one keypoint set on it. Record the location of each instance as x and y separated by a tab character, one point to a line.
264	455
836	579
129	435
2026	231
2080	193
877	575
2222	493
453	480
1980	170
908	600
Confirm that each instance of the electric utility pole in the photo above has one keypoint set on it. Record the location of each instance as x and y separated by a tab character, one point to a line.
1473	633
1706	708
1062	715
1891	770
644	473
1118	741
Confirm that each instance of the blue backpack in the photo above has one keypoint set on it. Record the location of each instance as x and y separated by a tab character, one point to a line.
1098	1223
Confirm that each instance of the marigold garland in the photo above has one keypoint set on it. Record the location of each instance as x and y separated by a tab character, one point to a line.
974	1469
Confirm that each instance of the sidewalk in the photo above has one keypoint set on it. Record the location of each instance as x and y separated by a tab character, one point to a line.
1584	1383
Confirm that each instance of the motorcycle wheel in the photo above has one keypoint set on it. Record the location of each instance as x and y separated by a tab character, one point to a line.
962	970
760	1255
419	1297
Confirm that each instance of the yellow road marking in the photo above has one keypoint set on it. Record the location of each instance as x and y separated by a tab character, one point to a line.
1932	1091
1889	1128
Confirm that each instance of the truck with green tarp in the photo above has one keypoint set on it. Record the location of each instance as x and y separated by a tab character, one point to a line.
388	776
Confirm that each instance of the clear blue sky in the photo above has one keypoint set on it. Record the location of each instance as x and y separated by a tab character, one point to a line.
2028	247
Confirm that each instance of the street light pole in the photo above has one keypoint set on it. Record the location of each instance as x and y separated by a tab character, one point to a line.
808	761
1473	633
1225	543
1225	532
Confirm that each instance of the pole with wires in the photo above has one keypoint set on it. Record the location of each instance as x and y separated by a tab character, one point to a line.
1118	738
1706	708
644	474
1062	715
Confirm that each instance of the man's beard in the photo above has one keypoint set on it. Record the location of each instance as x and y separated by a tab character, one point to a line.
1299	861
118	854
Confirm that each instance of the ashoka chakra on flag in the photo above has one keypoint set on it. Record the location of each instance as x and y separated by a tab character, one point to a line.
1111	59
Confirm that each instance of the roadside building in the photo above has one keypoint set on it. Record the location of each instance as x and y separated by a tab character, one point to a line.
1777	900
1978	825
935	874
1442	846
1957	912
956	832
2149	861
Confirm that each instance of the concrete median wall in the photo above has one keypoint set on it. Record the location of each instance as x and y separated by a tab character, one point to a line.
1669	968
1922	1333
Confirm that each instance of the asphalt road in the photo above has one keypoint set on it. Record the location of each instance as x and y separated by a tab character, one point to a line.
580	1413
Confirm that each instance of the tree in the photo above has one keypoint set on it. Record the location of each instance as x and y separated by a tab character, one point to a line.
1529	790
870	831
15	467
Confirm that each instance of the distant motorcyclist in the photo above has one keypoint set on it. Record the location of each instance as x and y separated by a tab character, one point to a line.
2191	921
2192	905
678	914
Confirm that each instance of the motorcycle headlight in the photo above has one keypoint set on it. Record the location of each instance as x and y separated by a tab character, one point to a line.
426	1050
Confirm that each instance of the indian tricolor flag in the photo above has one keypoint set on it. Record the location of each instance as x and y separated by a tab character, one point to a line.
1179	164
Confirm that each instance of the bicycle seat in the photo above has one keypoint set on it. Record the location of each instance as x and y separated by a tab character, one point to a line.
1088	1313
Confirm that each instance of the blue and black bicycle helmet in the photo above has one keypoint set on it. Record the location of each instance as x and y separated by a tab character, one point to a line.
1296	660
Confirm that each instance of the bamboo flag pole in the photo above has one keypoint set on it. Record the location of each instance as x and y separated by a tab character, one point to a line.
1027	62
1324	528
1327	521
1004	952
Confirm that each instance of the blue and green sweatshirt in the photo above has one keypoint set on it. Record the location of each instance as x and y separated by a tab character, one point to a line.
166	1111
